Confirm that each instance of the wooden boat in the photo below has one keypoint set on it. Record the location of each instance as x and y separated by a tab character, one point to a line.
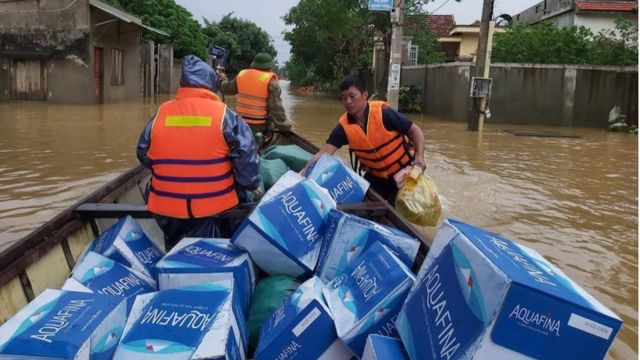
44	258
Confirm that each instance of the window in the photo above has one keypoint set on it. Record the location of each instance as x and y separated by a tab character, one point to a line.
537	9
117	67
413	55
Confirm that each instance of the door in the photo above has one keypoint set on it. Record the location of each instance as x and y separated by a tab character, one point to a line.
98	75
28	80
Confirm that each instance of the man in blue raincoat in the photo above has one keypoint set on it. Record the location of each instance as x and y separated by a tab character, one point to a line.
202	157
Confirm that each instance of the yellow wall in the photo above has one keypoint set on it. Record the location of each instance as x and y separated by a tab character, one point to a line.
469	45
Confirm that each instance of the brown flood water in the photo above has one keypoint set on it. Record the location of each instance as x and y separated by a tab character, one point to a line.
573	200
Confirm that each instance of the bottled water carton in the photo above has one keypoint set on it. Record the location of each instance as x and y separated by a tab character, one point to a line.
479	295
368	295
192	322
380	347
61	324
101	275
347	236
197	260
283	234
301	327
126	243
344	185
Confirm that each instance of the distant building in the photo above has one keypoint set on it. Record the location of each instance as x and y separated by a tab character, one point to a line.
595	15
73	51
461	43
440	26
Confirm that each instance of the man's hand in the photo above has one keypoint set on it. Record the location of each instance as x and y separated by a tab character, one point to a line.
221	75
257	193
420	162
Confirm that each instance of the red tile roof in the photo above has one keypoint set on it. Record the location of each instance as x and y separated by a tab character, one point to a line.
440	25
624	6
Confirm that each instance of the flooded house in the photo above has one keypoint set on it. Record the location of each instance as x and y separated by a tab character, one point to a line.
73	51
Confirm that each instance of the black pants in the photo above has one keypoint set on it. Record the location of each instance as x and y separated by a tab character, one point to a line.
208	227
387	188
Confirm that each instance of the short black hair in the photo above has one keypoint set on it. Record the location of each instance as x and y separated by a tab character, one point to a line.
353	80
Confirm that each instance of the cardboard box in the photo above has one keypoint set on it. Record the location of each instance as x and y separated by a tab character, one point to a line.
65	324
192	322
99	274
368	295
347	236
479	295
283	234
384	348
126	243
197	260
344	185
301	328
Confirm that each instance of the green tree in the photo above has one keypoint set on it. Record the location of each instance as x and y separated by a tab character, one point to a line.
545	44
429	51
186	34
333	38
244	39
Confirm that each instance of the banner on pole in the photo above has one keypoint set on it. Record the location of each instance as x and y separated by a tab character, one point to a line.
394	79
380	5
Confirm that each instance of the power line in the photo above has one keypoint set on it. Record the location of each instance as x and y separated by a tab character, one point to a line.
443	4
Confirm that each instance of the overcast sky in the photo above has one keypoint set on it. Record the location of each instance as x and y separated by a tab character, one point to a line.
267	14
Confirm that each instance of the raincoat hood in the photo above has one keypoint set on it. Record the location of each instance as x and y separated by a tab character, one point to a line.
197	73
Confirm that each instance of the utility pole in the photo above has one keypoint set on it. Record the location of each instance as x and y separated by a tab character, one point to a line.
395	57
483	61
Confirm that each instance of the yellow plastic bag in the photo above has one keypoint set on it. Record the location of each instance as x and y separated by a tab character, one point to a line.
418	200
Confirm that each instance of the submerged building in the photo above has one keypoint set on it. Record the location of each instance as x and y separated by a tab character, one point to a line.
73	51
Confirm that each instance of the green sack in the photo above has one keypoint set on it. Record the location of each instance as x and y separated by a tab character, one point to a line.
293	155
269	293
271	170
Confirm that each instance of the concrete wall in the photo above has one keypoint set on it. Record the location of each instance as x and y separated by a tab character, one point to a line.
54	34
603	21
128	38
533	94
176	75
165	69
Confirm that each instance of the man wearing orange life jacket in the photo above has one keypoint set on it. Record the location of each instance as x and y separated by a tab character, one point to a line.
258	96
381	140
202	157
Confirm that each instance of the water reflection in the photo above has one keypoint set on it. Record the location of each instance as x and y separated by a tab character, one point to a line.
573	200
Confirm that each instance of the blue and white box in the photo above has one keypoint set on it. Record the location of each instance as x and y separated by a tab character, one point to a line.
301	327
344	185
347	236
99	274
283	234
196	260
366	298
479	295
61	324
384	348
126	243
193	322
286	181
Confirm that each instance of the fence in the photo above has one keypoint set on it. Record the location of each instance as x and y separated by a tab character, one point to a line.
562	95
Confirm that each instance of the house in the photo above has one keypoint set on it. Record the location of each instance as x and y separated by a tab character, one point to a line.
440	26
595	15
462	41
73	51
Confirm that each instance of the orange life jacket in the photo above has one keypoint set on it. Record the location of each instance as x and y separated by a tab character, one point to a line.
253	96
381	152
192	175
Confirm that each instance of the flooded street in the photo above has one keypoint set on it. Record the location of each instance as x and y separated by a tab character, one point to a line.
573	200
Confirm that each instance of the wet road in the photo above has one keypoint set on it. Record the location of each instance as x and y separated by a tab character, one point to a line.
573	200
